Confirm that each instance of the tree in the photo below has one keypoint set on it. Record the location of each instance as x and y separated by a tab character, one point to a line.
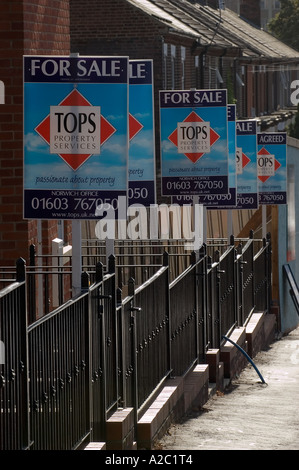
286	23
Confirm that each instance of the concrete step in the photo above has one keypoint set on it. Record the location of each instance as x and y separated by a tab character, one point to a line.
96	446
177	396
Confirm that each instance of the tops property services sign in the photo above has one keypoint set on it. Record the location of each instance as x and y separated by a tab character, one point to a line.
226	201
246	165
75	135
142	184
194	147
272	167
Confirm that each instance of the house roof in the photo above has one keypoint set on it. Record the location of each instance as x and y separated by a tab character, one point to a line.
216	29
256	41
182	17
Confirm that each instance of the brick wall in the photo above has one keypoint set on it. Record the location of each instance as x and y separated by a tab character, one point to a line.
26	27
46	27
100	29
12	227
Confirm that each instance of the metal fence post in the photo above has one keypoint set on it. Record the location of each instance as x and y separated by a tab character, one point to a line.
131	293
269	271
85	281
111	264
202	321
168	313
99	272
20	270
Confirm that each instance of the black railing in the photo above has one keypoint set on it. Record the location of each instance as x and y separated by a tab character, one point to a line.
246	279
65	374
14	409
149	322
184	318
104	352
263	277
294	291
59	346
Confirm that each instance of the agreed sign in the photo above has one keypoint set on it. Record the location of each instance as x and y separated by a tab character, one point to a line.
272	167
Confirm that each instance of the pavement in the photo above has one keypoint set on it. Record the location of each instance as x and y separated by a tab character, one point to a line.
249	414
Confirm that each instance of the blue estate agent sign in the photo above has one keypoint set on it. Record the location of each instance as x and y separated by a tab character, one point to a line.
229	200
272	167
75	135
246	165
194	147
141	166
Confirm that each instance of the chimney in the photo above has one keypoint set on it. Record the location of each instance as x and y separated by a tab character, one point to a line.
250	11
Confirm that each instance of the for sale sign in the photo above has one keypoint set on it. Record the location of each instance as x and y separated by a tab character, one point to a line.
226	201
246	165
142	187
272	167
76	135
194	146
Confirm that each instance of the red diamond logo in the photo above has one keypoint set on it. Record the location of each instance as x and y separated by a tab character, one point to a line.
277	165
134	126
241	161
74	99
245	160
193	117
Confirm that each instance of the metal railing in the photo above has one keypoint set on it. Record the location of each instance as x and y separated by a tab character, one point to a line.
14	409
294	291
59	379
65	373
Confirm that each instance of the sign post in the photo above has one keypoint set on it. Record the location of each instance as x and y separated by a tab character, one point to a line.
2	92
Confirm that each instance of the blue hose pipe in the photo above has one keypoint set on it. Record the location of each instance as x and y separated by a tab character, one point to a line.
246	355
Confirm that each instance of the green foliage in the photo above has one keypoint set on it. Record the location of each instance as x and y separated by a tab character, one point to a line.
293	128
285	24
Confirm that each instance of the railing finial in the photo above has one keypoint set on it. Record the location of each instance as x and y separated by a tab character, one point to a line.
20	270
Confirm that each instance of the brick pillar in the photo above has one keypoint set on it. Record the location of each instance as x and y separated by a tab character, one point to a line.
27	28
